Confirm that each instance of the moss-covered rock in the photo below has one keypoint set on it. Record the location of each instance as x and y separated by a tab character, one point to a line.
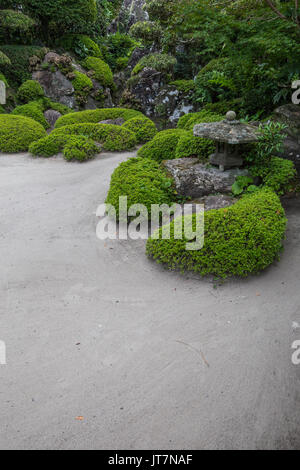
102	71
29	91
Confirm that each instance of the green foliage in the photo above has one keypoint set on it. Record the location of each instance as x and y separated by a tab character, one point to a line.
97	115
117	48
113	138
163	63
277	175
15	25
148	32
191	146
143	128
79	148
163	146
18	71
241	184
188	121
81	44
82	85
222	107
242	239
142	181
61	108
29	91
271	138
185	86
3	79
102	71
33	110
4	60
18	132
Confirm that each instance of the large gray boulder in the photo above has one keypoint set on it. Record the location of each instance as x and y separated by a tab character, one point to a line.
196	180
56	86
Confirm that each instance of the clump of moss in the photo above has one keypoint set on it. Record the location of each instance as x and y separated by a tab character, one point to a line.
191	146
82	85
161	62
79	148
188	121
102	71
163	146
33	110
97	115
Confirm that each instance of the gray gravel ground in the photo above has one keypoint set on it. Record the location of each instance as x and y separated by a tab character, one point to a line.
148	358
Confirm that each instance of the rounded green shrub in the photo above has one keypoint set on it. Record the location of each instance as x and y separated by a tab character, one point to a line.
97	115
239	240
49	146
143	128
148	32
18	132
142	181
4	60
101	70
163	63
34	110
80	148
163	146
30	91
277	175
188	121
191	146
81	44
82	85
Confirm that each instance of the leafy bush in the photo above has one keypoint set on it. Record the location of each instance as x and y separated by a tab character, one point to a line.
163	146
117	50
148	32
188	121
142	181
112	138
222	107
143	128
29	91
15	25
18	71
242	239
102	71
82	45
161	62
18	132
191	146
3	79
33	110
79	148
277	175
97	115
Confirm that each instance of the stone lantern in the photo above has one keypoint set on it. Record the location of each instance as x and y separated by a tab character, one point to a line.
229	135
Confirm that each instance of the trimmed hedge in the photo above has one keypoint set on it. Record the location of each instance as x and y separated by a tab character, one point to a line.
239	240
163	146
191	146
29	91
97	115
80	148
188	121
112	138
101	70
18	132
143	127
277	175
34	110
142	181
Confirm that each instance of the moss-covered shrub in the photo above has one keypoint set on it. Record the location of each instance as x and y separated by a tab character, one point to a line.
112	138
15	26
191	146
142	181
148	32
143	128
161	62
33	110
29	91
79	148
277	175
82	45
102	71
18	132
163	146
188	121
97	115
242	239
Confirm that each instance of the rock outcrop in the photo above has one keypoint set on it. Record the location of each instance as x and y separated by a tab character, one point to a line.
196	180
131	11
289	115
